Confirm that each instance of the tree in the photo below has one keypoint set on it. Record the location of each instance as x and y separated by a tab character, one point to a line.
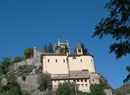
45	49
18	59
97	89
85	50
5	63
12	87
116	25
44	81
66	88
28	53
50	48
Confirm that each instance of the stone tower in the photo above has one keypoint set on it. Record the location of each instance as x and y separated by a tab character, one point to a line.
78	49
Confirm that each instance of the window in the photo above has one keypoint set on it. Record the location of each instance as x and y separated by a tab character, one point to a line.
93	79
86	85
82	85
81	60
64	60
77	80
48	60
79	50
85	80
81	80
56	60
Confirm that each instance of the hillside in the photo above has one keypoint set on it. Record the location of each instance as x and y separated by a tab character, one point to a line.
123	90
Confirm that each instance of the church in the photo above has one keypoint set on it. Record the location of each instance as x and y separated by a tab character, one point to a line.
63	66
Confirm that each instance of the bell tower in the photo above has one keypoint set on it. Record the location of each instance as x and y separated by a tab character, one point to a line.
78	49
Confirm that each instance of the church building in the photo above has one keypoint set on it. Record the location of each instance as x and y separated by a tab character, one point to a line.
63	66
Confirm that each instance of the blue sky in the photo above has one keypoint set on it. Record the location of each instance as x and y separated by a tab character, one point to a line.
29	23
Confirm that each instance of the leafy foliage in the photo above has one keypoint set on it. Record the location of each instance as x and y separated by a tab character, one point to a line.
85	50
126	80
28	53
97	89
12	87
25	70
4	64
66	88
116	25
48	48
44	81
18	59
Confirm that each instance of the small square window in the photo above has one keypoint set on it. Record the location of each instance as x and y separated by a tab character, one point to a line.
48	60
56	60
85	80
82	85
64	60
86	85
81	80
77	80
81	60
79	50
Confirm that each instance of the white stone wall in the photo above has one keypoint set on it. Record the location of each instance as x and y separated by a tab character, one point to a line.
58	64
55	64
94	78
81	63
83	84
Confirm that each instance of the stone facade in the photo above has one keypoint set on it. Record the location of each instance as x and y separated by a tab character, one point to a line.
63	66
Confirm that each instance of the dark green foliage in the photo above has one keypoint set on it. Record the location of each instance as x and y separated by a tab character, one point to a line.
25	70
25	93
97	89
85	50
104	83
44	81
126	80
116	25
48	48
28	53
118	93
66	88
45	49
18	59
12	87
4	64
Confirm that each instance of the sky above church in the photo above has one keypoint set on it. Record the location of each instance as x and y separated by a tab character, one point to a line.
34	23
